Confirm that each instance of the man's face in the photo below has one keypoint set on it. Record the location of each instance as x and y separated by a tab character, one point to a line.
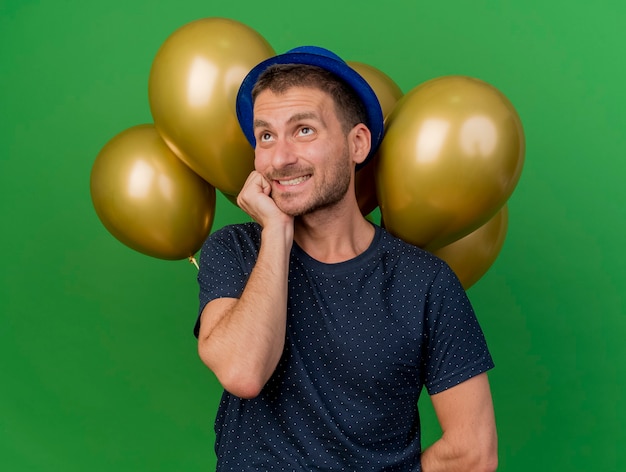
301	149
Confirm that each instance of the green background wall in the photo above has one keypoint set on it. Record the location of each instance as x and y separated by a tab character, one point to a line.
99	368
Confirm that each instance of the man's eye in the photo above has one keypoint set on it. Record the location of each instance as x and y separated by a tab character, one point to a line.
305	131
265	137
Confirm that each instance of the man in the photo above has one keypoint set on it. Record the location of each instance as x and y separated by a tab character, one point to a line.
322	327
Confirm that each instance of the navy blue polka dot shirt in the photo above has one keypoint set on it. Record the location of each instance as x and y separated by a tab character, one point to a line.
363	337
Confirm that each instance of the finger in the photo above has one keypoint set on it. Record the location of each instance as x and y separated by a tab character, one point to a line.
265	186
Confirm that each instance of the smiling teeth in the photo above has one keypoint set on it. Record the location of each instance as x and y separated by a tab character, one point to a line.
294	181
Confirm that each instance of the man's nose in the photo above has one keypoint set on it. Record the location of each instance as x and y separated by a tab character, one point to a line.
283	153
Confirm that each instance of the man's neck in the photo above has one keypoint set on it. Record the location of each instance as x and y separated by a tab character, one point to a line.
334	235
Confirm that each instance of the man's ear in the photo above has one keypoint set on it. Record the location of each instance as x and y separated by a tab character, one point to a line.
360	142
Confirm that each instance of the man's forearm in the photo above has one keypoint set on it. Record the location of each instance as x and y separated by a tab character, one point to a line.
469	442
442	456
242	343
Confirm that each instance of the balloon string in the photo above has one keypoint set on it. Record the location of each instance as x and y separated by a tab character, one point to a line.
192	260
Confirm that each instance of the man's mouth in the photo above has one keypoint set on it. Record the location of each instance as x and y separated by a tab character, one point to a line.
296	181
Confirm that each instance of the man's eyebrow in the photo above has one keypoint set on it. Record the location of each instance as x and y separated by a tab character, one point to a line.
303	116
258	123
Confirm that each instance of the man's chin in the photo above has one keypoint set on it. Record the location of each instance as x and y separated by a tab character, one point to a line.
288	205
290	209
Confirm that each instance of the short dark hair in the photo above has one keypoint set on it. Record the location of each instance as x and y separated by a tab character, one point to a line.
281	77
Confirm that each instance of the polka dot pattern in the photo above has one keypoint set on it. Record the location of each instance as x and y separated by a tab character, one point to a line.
363	338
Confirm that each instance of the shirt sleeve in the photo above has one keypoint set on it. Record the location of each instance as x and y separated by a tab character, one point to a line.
226	260
456	349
